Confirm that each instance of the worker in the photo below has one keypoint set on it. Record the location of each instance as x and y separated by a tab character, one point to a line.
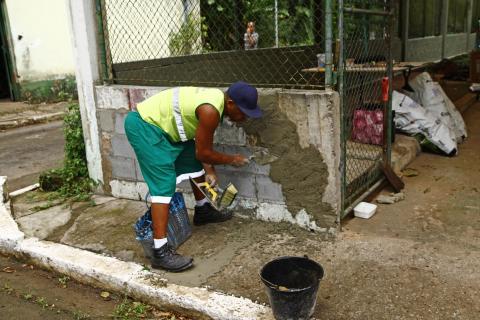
172	136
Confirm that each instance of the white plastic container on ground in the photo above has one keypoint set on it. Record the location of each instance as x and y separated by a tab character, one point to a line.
364	210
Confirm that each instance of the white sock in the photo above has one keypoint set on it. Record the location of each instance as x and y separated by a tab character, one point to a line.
201	202
158	243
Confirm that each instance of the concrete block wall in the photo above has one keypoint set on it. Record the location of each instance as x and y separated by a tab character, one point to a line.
315	114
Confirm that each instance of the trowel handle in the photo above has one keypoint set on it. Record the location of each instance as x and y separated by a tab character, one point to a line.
209	189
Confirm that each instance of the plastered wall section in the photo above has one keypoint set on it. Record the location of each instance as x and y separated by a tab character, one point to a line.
315	114
41	39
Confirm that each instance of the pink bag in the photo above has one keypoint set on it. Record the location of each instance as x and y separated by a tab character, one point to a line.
368	126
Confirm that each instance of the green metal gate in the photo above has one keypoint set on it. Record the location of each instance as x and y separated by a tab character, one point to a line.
364	85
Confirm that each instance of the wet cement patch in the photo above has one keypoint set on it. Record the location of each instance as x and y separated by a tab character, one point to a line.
108	229
301	172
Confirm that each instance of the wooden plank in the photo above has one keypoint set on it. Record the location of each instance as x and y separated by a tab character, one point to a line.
392	177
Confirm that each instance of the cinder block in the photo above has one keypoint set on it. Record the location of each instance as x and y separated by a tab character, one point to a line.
267	190
252	167
244	182
119	122
184	185
123	168
229	134
105	120
137	95
121	147
112	97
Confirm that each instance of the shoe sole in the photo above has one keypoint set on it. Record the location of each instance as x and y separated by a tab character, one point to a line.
173	270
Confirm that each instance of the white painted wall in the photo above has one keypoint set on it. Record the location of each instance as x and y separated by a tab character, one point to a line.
45	49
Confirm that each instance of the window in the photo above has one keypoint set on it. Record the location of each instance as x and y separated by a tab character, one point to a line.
425	18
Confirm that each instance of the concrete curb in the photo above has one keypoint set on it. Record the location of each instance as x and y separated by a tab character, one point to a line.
20	122
126	277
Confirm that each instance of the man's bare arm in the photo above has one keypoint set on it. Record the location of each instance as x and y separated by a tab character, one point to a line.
209	119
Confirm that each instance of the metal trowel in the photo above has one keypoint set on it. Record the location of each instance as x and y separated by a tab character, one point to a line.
262	156
218	198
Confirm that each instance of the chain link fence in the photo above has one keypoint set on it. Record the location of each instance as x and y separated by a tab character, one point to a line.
206	42
301	44
365	72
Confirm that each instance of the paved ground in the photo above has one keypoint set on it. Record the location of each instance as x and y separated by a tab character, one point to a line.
27	292
27	151
417	259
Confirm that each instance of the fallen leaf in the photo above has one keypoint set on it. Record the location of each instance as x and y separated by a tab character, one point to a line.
8	270
161	314
105	294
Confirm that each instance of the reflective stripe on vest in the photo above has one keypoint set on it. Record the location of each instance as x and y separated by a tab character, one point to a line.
178	114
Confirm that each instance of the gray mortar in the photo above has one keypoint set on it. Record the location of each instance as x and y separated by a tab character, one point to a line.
301	172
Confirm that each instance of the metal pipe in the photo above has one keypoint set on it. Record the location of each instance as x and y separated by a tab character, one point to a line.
368	12
388	127
341	93
276	23
363	196
328	43
405	27
101	39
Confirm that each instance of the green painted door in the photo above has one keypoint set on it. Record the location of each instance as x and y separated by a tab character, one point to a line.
6	79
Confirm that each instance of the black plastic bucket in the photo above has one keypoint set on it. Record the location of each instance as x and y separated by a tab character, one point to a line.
292	286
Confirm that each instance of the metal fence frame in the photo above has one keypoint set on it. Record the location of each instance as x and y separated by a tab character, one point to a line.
370	177
335	77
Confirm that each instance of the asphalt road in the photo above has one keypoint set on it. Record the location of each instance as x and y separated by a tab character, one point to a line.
27	151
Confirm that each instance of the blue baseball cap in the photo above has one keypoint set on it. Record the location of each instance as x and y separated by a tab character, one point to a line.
245	97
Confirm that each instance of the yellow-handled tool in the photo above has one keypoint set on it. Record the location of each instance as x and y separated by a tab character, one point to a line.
210	189
212	194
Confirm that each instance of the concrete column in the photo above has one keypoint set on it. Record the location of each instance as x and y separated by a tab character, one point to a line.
406	21
83	30
469	23
445	9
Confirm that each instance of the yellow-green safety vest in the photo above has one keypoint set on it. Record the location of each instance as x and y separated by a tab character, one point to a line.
173	110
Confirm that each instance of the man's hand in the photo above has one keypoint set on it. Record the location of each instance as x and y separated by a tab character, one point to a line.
239	160
212	179
210	174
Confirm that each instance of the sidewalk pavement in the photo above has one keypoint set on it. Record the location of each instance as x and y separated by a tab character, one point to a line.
18	114
375	268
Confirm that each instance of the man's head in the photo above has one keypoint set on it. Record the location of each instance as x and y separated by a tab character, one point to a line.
251	27
241	102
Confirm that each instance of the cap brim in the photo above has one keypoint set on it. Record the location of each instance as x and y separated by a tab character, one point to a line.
255	113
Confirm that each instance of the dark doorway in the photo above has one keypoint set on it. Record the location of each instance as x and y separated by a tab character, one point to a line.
6	91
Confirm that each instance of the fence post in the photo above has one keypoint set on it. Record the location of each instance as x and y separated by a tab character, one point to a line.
341	93
469	23
405	27
444	25
103	45
328	44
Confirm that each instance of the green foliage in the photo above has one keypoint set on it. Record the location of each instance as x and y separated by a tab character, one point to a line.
227	20
188	38
50	90
75	182
128	310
